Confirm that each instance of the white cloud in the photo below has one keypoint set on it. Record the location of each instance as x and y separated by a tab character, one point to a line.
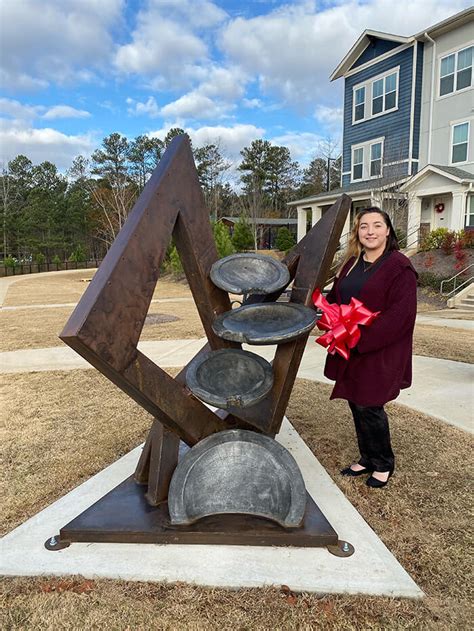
43	144
330	117
194	106
17	110
149	108
65	111
294	49
55	41
231	139
302	145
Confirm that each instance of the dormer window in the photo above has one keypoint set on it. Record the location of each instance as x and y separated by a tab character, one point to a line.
381	93
455	71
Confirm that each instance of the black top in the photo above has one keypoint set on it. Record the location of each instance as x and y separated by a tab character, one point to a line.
351	285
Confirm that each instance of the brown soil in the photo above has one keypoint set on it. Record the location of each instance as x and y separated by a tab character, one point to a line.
438	263
56	437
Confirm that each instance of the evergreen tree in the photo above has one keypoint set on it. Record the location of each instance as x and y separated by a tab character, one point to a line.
222	239
243	237
285	240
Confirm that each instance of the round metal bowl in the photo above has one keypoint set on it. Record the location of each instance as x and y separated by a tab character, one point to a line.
230	378
239	472
267	323
249	274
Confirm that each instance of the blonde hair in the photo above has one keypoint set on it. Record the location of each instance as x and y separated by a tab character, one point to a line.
354	247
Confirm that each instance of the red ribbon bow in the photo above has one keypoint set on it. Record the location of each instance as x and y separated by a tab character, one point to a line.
341	323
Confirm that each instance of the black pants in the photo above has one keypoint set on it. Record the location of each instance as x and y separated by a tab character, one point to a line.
373	437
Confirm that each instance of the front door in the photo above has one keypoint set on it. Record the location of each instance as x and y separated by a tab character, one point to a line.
440	219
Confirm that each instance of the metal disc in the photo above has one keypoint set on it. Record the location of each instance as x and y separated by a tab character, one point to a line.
267	323
249	273
237	472
230	378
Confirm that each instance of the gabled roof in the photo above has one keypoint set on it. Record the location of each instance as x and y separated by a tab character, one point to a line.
364	40
449	23
361	44
453	173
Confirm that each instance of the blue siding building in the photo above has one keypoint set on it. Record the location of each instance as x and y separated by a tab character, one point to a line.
407	100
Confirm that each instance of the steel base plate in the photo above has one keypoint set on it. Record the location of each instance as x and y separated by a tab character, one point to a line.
124	516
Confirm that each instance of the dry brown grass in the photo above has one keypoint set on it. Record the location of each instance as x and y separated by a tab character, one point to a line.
66	287
422	515
444	343
39	328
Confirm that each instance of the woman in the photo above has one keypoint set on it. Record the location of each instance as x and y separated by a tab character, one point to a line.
383	279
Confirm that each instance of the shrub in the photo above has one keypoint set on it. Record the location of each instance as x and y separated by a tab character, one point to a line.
10	261
428	279
79	255
434	240
56	260
174	264
460	255
243	238
448	241
467	238
285	240
40	258
222	238
401	237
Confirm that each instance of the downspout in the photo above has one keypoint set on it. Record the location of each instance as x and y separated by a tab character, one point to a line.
433	68
412	109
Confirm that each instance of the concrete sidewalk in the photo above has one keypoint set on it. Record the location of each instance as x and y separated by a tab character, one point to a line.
441	388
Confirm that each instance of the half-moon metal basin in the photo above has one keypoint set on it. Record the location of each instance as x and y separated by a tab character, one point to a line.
267	323
249	274
240	472
230	378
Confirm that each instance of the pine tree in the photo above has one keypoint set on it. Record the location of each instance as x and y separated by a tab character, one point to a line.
243	238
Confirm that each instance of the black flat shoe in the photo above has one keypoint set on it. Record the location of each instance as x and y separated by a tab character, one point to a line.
348	472
378	484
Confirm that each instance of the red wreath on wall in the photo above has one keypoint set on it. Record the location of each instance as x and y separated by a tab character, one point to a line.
439	207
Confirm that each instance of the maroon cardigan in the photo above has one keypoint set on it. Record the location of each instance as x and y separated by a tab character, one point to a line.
380	365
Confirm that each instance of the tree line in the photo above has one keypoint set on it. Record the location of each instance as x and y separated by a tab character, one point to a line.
50	217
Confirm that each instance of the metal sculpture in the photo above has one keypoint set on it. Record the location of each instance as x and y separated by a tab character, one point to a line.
105	328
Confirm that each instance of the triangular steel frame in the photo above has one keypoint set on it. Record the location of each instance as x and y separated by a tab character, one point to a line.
106	324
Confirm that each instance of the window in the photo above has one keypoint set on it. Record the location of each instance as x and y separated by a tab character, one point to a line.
470	212
376	159
381	93
358	164
384	94
367	160
455	72
359	104
460	141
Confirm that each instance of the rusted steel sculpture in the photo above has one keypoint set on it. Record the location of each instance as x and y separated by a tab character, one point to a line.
105	329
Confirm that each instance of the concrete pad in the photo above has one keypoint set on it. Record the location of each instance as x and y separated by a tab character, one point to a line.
371	570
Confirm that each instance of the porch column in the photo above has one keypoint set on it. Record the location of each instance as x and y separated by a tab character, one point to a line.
316	214
458	211
414	221
301	229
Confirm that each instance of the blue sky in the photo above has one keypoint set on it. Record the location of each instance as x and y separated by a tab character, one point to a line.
74	71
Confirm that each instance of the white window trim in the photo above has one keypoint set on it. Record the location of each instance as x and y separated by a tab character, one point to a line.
368	95
366	147
453	125
441	56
